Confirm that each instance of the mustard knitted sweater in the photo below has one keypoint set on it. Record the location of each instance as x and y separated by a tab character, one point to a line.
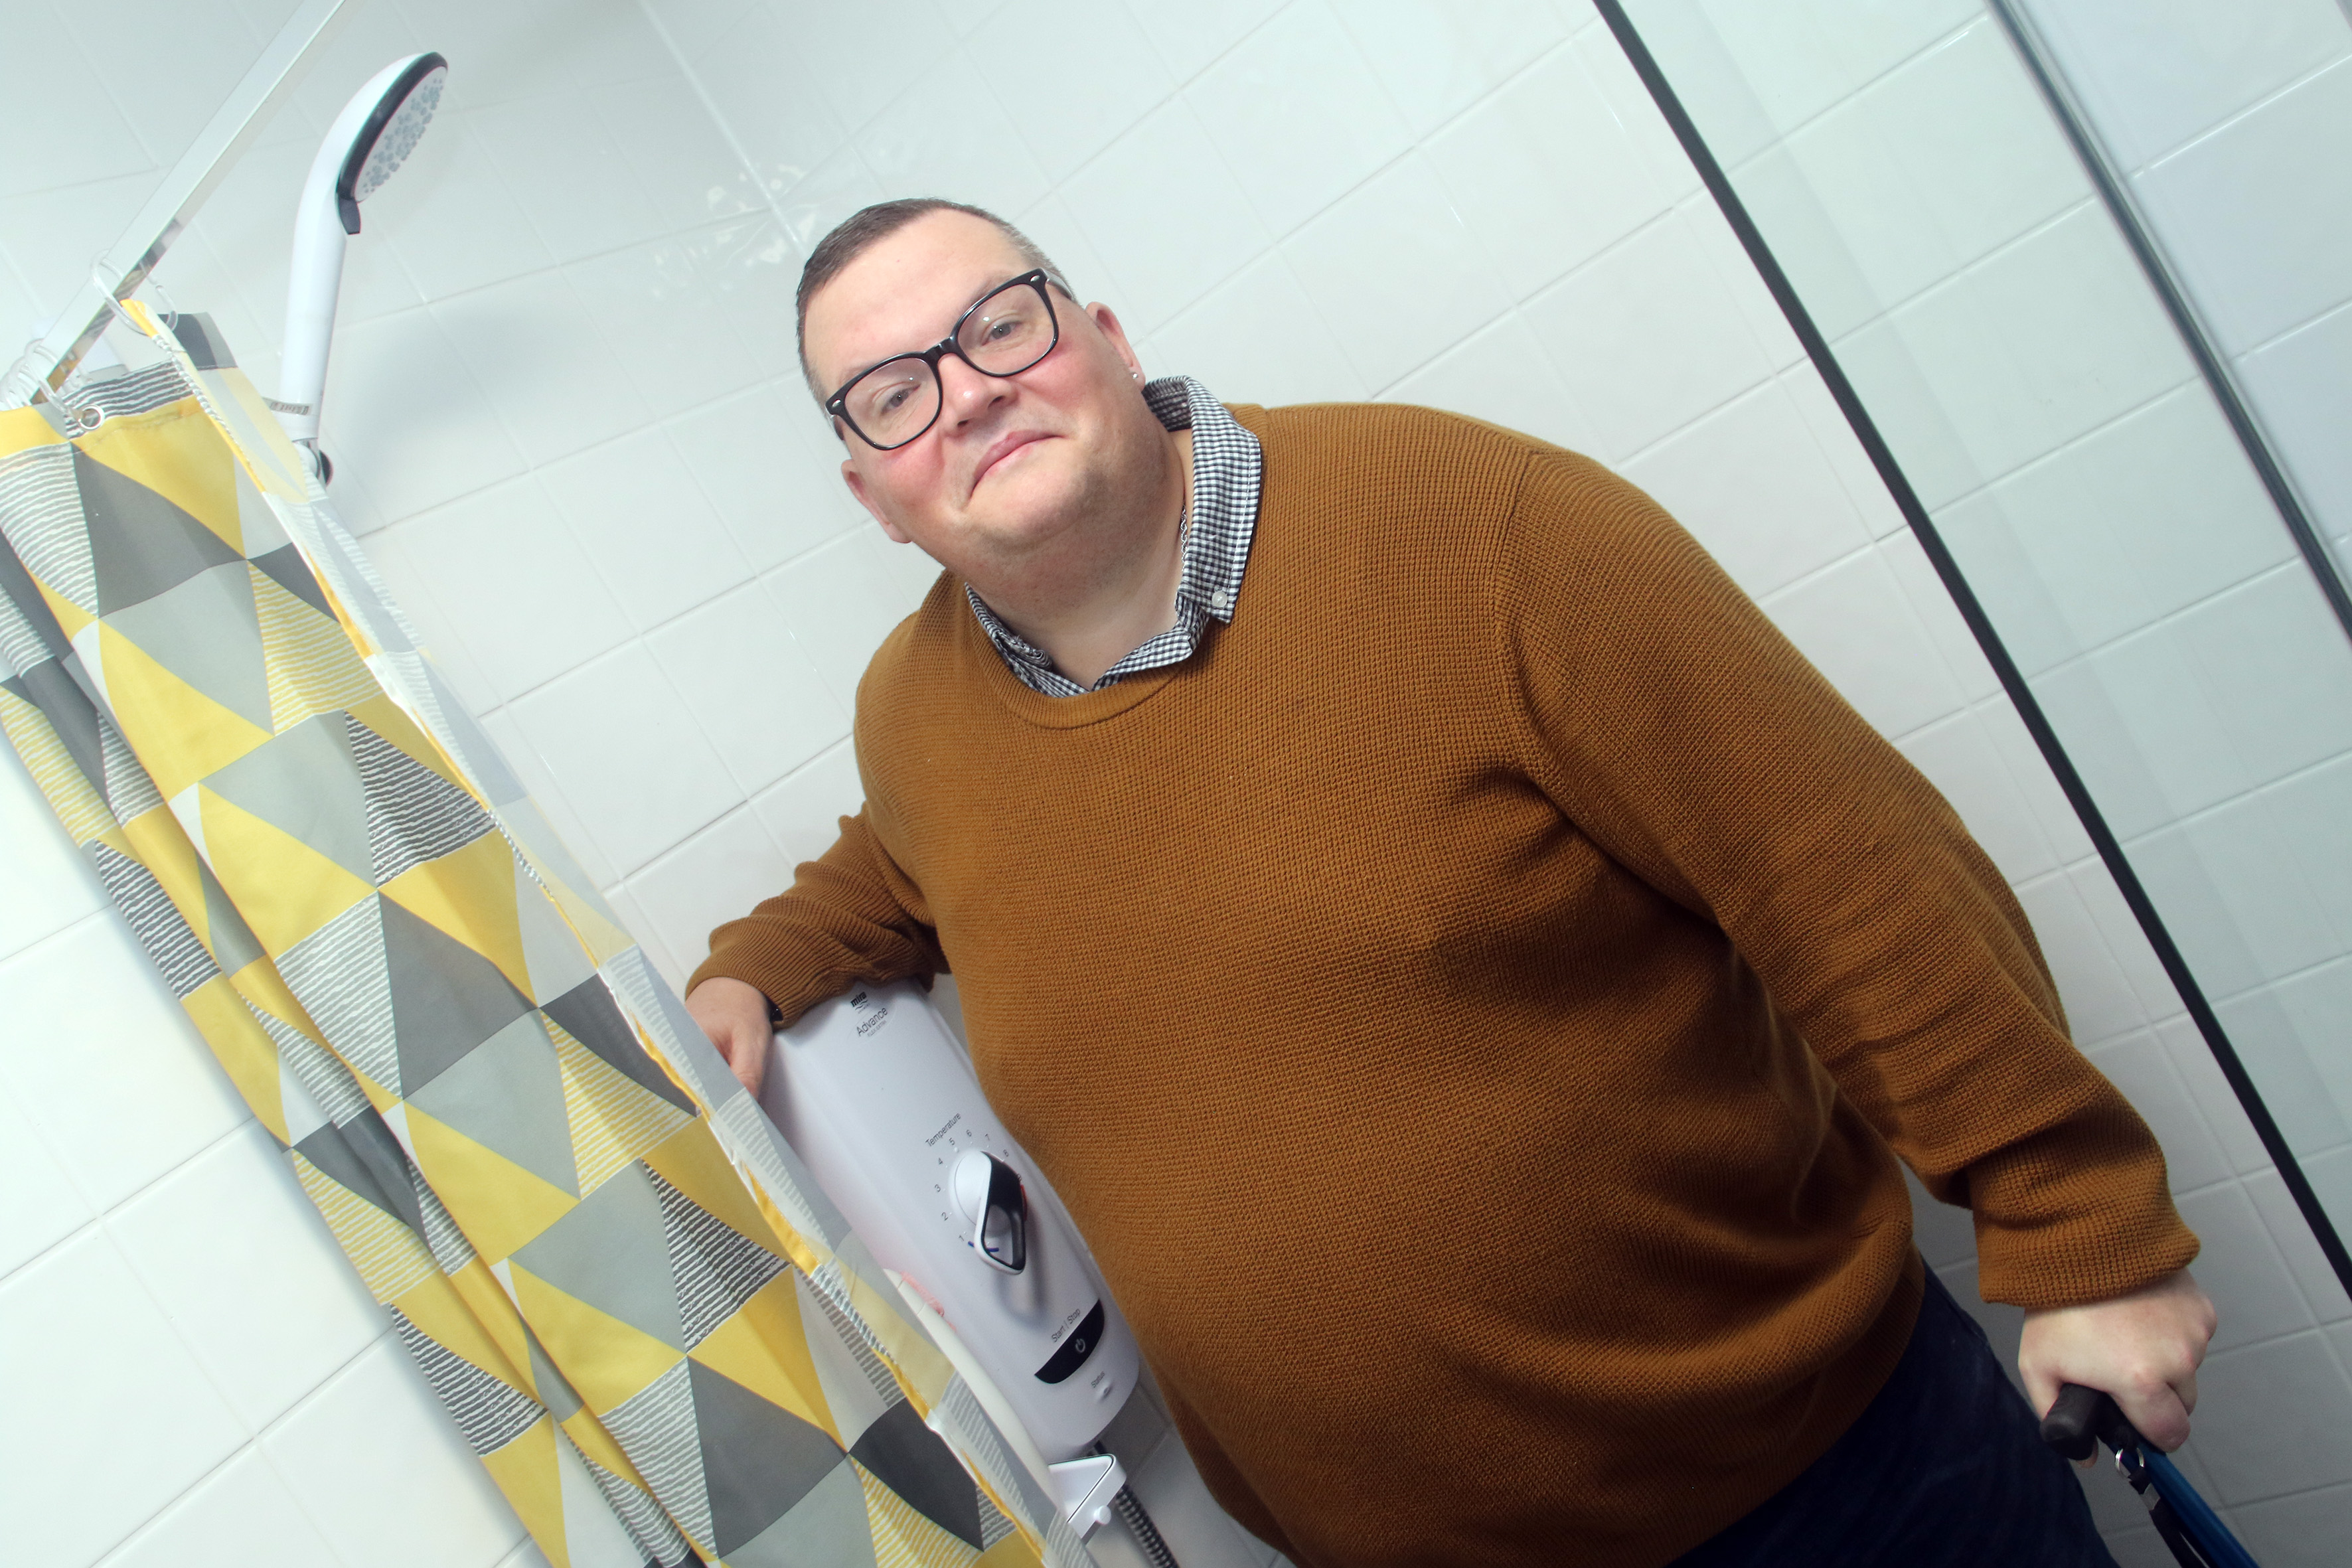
1474	1006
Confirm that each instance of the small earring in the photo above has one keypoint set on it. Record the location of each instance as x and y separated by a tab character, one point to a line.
1137	374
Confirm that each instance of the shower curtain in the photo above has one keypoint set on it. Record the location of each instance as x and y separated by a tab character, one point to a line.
660	1339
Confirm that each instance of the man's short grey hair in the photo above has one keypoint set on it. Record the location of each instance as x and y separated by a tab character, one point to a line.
861	230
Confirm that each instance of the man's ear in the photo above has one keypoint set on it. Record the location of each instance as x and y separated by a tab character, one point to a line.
1107	324
856	483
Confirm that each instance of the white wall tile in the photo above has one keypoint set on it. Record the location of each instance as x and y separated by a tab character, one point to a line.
270	1306
840	605
1501	373
1436	60
71	135
42	1206
107	1418
240	1516
749	686
371	38
756	271
567	174
2143	731
757	456
2035	782
167	89
412	590
712	878
2260	264
2277	668
1298	114
126	1088
836	187
1961	760
640	926
2293	1235
634	767
45	884
693	26
2264	1424
1766	535
404	417
1103	73
460	226
666	311
862	56
1932	602
505	568
945	130
635	511
1842	448
1164	255
2139	1065
367	1448
2305	1530
1426	290
2242	1271
2156	72
1189	39
804	813
2142	970
1256	337
537	356
762	74
2206	1085
1801	59
1605	61
2302	388
1737	272
1853	621
2301	812
2099	1001
1647	337
53	237
1937	164
523	756
529	49
1545	174
2042	342
682	159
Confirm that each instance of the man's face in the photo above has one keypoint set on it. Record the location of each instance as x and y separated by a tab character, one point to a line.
1012	462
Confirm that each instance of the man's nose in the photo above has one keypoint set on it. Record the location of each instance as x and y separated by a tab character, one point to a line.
964	393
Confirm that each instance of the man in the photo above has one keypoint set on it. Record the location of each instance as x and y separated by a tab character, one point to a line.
1468	976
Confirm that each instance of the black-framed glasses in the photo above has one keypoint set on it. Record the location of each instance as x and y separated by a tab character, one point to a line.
1011	328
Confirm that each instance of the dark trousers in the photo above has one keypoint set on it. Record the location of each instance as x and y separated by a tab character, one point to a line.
1944	1470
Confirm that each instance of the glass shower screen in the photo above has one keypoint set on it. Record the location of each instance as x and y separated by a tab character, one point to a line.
2160	627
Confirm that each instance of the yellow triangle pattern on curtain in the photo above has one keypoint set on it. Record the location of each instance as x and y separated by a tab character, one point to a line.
601	1255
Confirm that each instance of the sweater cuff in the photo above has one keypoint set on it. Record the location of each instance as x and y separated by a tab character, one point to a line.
2064	1222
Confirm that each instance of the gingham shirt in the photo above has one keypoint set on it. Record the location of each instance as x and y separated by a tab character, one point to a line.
1218	526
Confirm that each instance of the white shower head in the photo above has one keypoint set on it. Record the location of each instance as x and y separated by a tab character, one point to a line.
369	140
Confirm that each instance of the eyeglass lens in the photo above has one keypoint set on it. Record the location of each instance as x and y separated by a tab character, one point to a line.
1004	334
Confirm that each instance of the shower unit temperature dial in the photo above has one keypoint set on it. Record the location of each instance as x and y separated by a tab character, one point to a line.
876	1100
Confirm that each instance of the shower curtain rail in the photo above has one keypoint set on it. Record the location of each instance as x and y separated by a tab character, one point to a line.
116	275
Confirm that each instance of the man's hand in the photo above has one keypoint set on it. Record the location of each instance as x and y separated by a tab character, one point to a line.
735	1016
2143	1349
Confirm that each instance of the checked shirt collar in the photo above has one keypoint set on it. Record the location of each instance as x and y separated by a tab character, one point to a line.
1218	526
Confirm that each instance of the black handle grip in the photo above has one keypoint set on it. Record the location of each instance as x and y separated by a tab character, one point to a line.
2082	1420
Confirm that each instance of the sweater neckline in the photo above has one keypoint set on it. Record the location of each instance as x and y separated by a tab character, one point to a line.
1054	713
